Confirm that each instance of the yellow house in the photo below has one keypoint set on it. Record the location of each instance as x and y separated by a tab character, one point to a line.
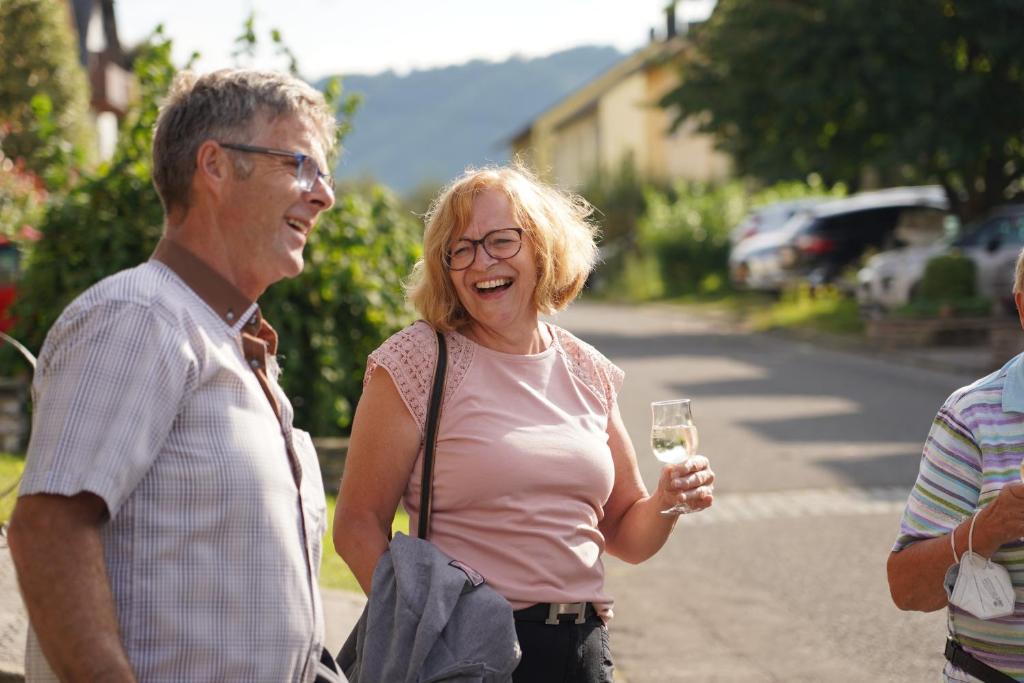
615	117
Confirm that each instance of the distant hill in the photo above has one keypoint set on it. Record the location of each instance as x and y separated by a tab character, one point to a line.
429	125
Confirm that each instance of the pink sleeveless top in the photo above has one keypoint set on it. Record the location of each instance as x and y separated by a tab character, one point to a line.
522	467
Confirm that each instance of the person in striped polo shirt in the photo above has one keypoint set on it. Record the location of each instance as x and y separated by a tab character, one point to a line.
970	473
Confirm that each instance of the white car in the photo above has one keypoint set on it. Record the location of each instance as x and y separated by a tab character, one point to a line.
889	280
746	237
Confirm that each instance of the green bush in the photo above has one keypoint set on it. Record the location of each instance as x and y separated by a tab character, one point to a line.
687	232
948	278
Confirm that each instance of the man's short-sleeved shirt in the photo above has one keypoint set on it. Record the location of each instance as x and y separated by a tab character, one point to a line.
157	391
974	448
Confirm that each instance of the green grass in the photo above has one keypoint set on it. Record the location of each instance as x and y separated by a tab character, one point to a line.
821	310
10	469
824	310
334	573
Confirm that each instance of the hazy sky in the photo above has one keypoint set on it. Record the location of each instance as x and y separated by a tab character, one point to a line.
344	36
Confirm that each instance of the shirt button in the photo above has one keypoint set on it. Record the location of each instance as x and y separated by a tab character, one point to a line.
254	363
230	315
253	321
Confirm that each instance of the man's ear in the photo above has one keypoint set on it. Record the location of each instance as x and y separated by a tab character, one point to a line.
213	167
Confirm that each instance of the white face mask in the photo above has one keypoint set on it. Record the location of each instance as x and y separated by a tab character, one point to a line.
978	585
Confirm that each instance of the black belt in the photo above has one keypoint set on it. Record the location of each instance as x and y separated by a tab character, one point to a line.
965	661
556	612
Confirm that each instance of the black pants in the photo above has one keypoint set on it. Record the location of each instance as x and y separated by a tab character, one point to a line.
563	653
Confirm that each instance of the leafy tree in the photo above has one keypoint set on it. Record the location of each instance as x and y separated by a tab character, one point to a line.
915	91
44	102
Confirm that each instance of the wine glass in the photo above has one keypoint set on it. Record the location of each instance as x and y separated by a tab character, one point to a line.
673	437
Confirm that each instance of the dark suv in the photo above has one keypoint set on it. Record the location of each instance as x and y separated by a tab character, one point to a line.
824	240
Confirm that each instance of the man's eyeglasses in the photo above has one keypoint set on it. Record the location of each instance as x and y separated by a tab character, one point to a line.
306	170
499	244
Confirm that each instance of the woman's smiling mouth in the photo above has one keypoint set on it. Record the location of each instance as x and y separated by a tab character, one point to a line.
493	285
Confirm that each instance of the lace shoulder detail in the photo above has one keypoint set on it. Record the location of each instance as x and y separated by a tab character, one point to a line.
590	366
410	356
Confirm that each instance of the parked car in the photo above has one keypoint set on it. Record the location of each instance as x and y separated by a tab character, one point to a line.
890	279
818	243
760	221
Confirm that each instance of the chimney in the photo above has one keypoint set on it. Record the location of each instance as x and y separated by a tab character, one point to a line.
670	21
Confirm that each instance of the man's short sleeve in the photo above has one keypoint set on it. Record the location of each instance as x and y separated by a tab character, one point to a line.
948	483
108	386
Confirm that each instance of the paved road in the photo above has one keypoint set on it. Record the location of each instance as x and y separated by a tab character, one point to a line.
784	580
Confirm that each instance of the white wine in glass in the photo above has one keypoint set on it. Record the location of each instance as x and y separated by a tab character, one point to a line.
673	437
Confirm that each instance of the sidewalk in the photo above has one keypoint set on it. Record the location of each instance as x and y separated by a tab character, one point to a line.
341	611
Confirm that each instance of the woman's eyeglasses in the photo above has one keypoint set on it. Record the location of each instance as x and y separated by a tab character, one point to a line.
500	244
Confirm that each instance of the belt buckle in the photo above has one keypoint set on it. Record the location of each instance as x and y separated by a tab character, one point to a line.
557	609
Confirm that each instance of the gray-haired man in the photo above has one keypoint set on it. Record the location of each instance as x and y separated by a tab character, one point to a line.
170	520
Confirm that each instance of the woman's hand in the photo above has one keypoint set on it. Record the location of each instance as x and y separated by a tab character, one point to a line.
690	483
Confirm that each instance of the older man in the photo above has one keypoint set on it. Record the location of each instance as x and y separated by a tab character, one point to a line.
170	520
970	474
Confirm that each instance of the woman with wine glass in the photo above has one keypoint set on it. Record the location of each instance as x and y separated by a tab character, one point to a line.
535	476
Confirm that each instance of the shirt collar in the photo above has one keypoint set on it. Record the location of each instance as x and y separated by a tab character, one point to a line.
1013	387
231	305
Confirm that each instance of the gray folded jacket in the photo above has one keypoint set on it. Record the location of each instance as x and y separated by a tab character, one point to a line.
430	619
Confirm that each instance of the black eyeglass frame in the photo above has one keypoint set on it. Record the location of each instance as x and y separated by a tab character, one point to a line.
299	158
482	242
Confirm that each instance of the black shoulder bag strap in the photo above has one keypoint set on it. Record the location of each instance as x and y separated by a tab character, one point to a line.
430	435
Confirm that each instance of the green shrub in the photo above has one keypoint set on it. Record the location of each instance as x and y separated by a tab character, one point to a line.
948	278
687	232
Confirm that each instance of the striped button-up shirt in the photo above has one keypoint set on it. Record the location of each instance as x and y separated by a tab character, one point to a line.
975	446
157	391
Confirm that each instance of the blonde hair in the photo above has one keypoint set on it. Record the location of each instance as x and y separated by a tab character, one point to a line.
556	222
226	104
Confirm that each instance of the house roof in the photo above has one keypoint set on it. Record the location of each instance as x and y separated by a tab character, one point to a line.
584	100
